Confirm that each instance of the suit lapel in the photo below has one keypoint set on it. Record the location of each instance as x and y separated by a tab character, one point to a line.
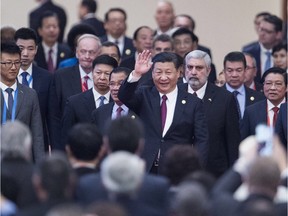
89	100
155	106
75	79
20	98
209	96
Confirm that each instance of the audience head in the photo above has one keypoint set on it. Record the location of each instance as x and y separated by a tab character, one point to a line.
88	48
7	34
275	85
143	38
251	69
235	69
49	29
124	134
115	22
184	41
258	18
165	70
86	7
26	39
197	68
16	140
220	81
117	76
258	207
184	21
280	55
122	172
162	43
111	49
102	208
66	210
164	15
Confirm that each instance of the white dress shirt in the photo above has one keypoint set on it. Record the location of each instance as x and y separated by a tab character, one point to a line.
28	77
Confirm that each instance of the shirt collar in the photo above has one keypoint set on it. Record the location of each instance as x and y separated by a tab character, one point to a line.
83	73
170	95
4	87
270	105
29	71
89	15
125	108
241	89
264	50
97	94
200	92
112	39
47	48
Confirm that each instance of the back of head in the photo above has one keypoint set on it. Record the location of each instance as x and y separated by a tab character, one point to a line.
122	173
7	34
91	5
26	34
84	141
124	134
16	140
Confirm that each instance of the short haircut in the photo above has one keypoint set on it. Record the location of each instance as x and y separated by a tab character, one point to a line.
182	31
105	59
111	44
135	34
193	24
276	21
264	13
89	36
7	34
279	47
85	141
91	5
116	9
275	70
124	134
166	57
253	59
10	48
163	38
26	34
235	57
198	54
45	15
124	70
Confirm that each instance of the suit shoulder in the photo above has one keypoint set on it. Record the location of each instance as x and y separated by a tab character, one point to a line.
258	95
256	106
67	70
250	46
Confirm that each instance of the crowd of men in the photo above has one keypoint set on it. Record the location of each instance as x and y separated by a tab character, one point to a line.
103	124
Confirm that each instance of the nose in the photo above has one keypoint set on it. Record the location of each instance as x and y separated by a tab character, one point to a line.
24	52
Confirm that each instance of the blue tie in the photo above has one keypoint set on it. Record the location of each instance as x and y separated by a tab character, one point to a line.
24	78
235	93
102	98
10	99
268	61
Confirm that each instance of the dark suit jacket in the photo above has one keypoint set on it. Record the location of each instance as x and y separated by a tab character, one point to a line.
128	62
223	126
96	24
153	192
188	127
64	52
281	124
28	112
129	49
35	15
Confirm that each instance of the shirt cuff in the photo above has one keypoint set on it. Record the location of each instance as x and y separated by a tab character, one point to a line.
132	78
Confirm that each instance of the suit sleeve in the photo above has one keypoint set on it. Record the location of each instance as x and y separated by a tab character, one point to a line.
245	125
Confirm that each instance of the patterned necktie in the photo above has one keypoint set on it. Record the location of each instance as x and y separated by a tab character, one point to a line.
268	61
50	62
275	110
24	78
163	111
235	93
10	99
102	98
118	112
85	83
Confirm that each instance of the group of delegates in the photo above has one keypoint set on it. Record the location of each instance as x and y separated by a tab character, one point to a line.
137	126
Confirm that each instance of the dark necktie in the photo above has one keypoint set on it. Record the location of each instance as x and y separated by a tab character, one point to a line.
268	61
10	99
275	110
102	98
118	112
50	62
235	93
195	94
117	42
24	78
85	83
163	111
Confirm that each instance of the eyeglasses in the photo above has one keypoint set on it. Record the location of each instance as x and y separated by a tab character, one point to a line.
10	64
114	84
277	85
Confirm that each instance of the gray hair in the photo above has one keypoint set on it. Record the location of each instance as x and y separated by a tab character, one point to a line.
198	54
16	140
90	36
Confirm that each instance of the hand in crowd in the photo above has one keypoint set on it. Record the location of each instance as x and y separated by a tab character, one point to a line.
143	63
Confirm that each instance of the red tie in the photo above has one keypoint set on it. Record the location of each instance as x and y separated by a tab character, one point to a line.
275	110
50	62
84	83
163	111
118	112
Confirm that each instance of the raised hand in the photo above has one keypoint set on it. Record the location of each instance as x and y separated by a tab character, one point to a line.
143	63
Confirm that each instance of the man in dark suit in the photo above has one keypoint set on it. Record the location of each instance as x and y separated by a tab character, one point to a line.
180	120
70	81
251	72
48	5
126	134
115	26
50	53
270	32
79	107
32	75
281	124
266	111
87	10
220	109
234	70
18	101
115	109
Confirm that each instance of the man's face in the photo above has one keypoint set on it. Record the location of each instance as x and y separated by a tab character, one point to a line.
115	83
161	46
280	59
267	34
116	24
111	51
87	50
274	88
234	73
183	22
9	72
250	70
50	30
164	15
144	40
196	73
183	44
101	73
28	51
165	76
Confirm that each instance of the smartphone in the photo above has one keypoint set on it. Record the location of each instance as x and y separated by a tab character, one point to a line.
264	137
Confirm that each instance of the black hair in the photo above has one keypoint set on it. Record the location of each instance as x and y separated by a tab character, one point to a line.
45	15
124	70
111	44
190	18
26	34
276	21
115	10
10	48
182	31
167	57
135	34
91	5
235	57
105	59
279	47
163	38
275	70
